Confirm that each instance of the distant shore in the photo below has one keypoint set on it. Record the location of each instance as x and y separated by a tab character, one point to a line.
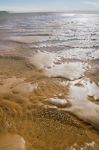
67	12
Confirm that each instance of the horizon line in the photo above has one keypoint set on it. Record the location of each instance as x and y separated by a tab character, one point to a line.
52	11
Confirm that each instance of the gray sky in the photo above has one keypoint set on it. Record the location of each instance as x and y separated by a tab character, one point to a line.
49	5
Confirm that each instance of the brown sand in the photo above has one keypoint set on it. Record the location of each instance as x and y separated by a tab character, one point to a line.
26	112
11	142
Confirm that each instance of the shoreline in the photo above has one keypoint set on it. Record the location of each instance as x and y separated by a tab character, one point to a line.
49	81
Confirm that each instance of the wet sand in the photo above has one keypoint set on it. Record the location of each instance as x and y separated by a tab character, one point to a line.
26	110
11	142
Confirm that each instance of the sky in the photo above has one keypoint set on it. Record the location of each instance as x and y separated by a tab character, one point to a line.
49	5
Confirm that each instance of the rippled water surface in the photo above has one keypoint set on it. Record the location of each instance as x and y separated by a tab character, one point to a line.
75	34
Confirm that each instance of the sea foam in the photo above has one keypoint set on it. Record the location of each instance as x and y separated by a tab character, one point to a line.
81	106
52	67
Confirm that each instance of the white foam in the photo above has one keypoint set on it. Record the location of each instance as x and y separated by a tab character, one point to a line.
93	90
43	60
80	53
58	102
67	70
81	106
85	146
48	62
90	146
78	98
95	54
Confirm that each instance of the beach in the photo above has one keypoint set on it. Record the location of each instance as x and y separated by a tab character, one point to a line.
49	81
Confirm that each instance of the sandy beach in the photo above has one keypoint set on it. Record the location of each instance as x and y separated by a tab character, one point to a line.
27	109
48	100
